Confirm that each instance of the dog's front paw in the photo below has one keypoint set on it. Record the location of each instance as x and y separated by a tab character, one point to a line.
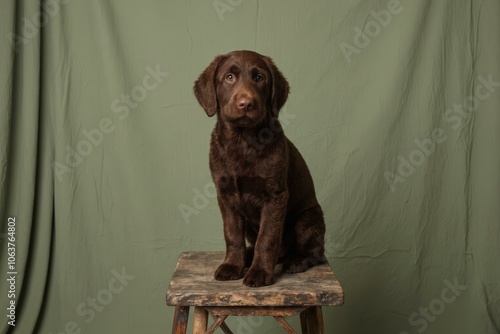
258	277
227	272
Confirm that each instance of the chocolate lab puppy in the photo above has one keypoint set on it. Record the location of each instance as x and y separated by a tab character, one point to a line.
264	189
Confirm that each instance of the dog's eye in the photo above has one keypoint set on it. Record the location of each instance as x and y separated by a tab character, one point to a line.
229	77
259	78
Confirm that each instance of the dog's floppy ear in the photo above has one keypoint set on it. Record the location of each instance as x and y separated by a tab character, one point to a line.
280	87
205	87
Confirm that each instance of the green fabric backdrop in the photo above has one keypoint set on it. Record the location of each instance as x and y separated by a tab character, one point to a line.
104	156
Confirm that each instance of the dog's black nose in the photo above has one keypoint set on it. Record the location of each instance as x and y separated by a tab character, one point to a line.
246	103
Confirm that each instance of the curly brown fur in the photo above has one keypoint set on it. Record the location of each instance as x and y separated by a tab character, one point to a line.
264	189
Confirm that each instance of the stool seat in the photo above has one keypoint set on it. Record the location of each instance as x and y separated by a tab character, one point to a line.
193	284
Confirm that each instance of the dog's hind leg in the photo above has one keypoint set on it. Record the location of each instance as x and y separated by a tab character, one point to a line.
308	246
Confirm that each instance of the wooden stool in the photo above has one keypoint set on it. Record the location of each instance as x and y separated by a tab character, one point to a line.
193	284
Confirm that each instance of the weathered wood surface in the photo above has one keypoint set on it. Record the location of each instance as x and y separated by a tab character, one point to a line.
285	325
181	316
311	321
255	311
193	284
200	320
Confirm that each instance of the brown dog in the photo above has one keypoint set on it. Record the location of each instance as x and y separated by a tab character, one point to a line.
264	189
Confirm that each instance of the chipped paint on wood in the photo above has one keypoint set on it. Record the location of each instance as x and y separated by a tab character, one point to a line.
193	284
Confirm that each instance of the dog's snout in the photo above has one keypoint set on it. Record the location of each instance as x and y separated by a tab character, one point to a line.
246	103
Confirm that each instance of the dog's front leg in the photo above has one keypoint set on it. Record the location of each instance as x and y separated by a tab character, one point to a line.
268	242
234	234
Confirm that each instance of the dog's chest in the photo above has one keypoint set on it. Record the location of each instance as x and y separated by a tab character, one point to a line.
249	195
243	175
250	186
246	187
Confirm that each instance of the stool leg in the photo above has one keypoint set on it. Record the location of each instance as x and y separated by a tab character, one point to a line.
311	320
181	316
200	320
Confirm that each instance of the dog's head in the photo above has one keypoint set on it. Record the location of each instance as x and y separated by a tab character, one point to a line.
242	87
